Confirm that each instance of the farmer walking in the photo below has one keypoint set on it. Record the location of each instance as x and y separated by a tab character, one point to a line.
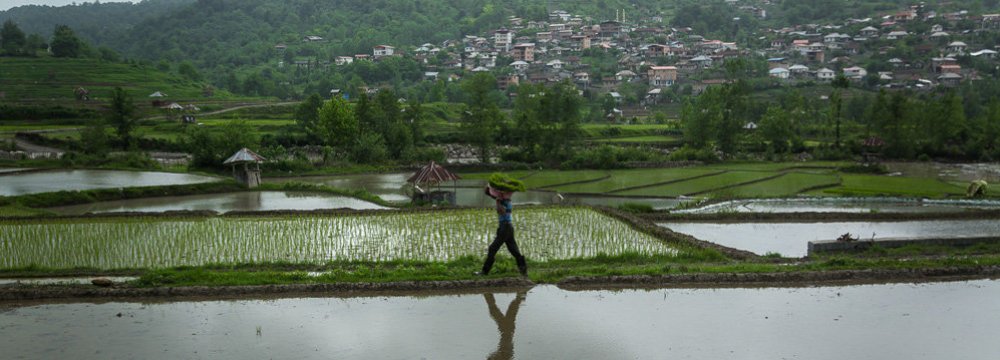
505	230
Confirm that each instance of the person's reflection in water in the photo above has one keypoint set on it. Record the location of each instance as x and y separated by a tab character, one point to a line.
505	324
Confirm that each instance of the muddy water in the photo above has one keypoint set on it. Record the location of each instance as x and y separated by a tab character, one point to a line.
849	205
791	239
959	320
58	180
241	201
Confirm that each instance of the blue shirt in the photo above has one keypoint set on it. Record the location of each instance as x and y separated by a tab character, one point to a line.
504	210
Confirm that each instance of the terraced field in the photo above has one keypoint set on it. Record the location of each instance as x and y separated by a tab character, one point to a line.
155	242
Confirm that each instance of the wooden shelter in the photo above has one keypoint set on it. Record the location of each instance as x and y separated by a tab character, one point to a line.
430	177
248	175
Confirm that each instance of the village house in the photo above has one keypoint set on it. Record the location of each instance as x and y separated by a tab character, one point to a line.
312	38
662	76
825	74
957	47
938	63
523	52
520	65
702	61
896	35
986	53
869	32
343	60
798	70
610	29
579	42
502	39
555	64
544	36
625	75
779	73
381	51
656	50
950	79
855	73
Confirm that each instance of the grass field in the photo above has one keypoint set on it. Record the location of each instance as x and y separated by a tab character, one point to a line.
47	79
702	185
787	185
622	179
547	234
877	185
647	139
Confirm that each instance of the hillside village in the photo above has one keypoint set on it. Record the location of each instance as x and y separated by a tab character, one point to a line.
910	48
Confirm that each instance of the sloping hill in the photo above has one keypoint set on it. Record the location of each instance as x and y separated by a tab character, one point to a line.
45	79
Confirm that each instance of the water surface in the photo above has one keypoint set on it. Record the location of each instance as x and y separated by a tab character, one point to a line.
959	320
792	239
59	180
239	201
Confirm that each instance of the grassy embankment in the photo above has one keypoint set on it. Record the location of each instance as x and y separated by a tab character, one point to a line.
737	180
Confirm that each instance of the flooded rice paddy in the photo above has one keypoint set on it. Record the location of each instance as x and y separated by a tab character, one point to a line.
948	172
221	203
791	239
392	187
70	180
845	205
443	235
954	320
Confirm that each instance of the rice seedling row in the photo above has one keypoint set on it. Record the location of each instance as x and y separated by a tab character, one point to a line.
543	234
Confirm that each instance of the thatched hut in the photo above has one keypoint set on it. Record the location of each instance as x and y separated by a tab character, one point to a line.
247	175
427	184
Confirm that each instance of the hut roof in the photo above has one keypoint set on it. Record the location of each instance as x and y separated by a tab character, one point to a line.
432	173
242	156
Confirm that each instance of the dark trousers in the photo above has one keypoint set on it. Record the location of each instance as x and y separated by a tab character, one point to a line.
505	235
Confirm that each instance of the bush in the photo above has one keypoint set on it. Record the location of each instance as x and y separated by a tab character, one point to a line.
691	154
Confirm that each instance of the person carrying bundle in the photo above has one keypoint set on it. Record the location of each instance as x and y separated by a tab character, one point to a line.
501	188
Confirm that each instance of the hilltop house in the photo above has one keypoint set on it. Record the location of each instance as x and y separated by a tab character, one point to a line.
662	76
524	52
779	73
825	74
380	51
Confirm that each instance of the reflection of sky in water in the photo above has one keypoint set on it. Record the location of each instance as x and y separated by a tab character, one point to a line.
904	321
791	239
58	180
241	201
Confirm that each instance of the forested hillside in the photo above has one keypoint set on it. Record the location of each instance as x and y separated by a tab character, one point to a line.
99	24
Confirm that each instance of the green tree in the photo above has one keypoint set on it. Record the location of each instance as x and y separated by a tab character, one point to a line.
121	116
94	138
307	117
776	128
65	43
188	71
12	39
482	118
838	84
337	125
210	146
